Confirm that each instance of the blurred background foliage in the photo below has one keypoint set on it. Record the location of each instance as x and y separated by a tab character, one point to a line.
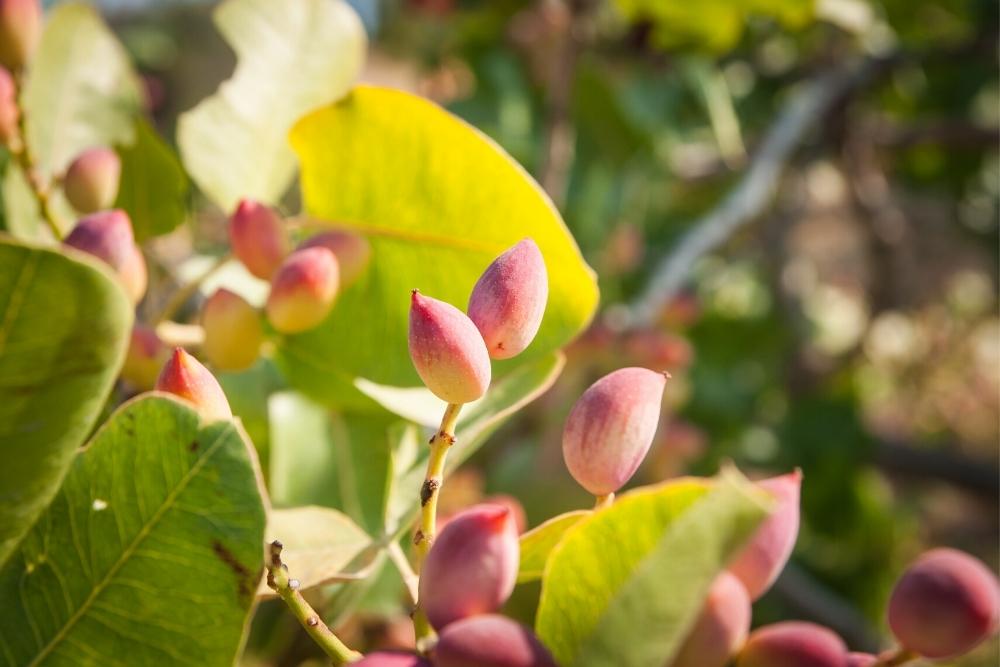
850	329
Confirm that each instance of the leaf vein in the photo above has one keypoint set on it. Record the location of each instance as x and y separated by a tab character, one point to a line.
131	548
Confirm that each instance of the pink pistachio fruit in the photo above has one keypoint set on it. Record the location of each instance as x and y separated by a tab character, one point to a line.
447	350
611	427
490	641
303	290
233	331
184	376
721	627
945	604
391	659
353	252
471	567
9	113
107	235
20	29
764	556
146	356
508	301
793	644
91	181
257	236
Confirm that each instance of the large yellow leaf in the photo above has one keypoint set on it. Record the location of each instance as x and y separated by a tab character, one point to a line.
438	201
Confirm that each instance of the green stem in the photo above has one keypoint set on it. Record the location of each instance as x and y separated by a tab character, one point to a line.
429	493
185	292
287	590
21	152
410	578
900	656
603	501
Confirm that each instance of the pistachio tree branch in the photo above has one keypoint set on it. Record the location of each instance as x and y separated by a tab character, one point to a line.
288	590
429	493
755	189
21	152
431	489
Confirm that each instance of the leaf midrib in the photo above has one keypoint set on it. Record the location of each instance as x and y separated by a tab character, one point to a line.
127	553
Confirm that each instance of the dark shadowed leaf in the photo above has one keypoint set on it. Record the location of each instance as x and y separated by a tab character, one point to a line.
153	188
64	328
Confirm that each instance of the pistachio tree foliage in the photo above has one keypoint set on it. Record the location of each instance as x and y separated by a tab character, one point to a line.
163	483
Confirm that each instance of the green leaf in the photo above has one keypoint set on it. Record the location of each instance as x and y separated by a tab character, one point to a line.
82	92
340	461
320	546
438	201
711	25
150	554
20	208
538	543
292	58
64	329
153	188
248	392
624	585
476	423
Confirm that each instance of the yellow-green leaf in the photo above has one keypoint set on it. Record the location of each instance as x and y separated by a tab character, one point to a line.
711	25
320	546
438	201
538	543
623	586
292	58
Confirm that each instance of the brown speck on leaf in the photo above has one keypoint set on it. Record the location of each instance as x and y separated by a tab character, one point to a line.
193	446
245	579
